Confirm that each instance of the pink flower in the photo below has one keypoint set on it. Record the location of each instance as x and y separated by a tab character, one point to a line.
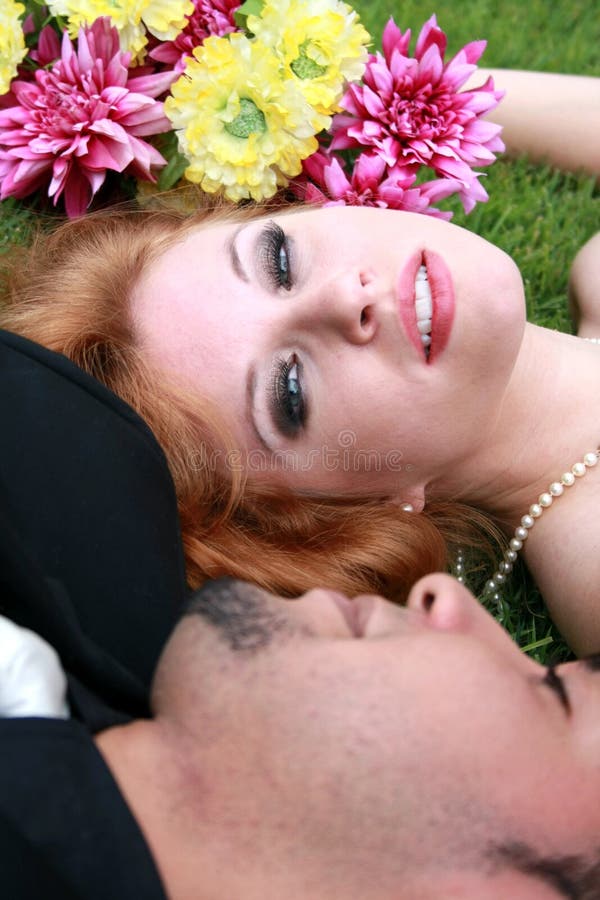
372	183
209	17
78	120
411	113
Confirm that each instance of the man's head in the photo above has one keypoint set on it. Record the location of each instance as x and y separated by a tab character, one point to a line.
329	748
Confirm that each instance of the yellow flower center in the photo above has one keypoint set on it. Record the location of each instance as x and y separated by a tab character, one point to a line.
249	120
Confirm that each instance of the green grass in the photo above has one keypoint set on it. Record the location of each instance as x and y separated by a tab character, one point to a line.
536	214
16	224
540	34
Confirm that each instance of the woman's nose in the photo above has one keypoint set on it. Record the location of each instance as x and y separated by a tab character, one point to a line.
345	304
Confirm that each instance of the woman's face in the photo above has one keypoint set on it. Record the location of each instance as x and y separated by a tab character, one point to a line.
303	330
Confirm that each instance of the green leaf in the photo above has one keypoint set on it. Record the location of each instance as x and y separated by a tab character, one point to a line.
177	163
173	171
249	8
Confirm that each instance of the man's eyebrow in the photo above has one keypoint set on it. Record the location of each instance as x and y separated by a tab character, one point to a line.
250	394
234	256
592	663
553	680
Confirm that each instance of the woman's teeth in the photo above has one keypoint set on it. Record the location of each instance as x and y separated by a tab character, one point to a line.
423	307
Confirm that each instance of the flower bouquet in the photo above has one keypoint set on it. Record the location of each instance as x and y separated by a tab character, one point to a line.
242	100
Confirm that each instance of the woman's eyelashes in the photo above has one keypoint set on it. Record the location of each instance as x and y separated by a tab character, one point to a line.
287	402
274	256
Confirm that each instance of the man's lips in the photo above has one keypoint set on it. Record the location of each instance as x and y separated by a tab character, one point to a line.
356	612
442	299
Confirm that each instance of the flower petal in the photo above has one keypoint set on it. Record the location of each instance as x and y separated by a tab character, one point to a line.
393	39
77	193
430	36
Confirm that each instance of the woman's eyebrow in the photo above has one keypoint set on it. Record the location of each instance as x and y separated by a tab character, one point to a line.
250	406
236	263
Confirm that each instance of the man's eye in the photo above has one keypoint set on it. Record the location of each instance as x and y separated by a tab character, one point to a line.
274	255
287	402
553	680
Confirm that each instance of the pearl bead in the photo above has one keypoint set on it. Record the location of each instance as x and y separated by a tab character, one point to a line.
515	544
535	509
521	533
545	500
590	459
556	488
527	521
491	585
505	567
511	555
499	578
567	479
458	568
578	469
461	578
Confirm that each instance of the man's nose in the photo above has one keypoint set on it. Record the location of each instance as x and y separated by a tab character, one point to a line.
346	304
450	607
447	604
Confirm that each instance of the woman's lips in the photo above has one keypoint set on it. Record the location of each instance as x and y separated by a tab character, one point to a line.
442	295
442	298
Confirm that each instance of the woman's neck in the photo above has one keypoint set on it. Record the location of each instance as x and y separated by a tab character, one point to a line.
549	418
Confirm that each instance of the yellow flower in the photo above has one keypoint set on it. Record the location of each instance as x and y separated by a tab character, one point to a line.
242	126
166	18
12	42
321	42
132	18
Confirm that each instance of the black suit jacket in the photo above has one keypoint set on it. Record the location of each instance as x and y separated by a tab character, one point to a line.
91	559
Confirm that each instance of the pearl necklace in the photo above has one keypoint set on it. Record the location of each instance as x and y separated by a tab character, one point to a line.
521	533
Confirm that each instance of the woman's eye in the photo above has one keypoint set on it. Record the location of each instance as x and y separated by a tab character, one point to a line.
288	406
275	256
283	266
